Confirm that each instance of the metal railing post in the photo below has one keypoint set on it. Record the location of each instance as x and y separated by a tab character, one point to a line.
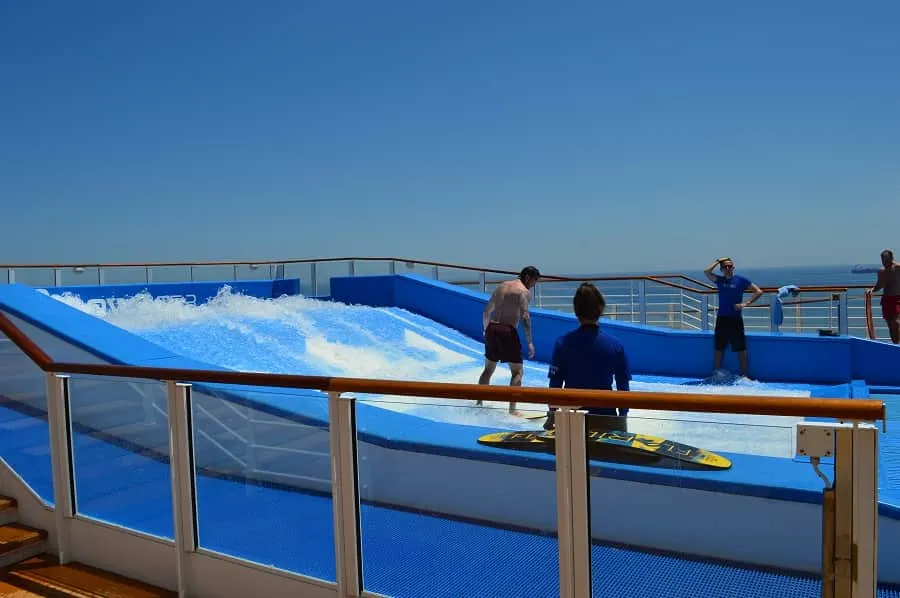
57	277
704	312
181	460
572	501
351	267
59	423
642	301
393	267
11	276
774	326
483	282
344	494
314	278
843	319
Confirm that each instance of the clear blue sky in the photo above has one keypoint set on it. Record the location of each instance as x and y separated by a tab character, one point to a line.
588	136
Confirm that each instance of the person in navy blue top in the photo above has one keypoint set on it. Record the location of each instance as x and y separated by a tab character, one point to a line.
730	320
590	359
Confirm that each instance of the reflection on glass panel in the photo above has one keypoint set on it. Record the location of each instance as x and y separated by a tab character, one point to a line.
666	488
371	267
450	507
889	451
120	440
263	469
24	435
125	275
35	277
325	271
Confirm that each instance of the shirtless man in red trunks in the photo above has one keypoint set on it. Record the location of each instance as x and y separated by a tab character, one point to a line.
889	280
508	304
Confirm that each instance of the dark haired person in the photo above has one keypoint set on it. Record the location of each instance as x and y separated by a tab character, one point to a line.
500	322
889	280
588	358
730	318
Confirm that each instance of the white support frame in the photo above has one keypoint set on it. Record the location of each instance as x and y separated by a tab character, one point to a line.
851	553
58	420
181	460
864	465
344	493
572	504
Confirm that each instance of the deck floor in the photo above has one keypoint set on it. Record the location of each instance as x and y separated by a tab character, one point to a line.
44	576
405	555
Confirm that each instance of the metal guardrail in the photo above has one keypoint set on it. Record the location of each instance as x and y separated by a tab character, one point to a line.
668	300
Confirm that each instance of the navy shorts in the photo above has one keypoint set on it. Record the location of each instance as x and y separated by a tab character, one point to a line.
502	343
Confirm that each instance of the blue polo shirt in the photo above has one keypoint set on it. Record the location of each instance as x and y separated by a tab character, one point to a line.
589	359
731	292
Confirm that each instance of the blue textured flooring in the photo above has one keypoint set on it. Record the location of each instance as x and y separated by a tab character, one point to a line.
405	555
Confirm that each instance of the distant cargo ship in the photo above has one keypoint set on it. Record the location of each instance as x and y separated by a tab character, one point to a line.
863	269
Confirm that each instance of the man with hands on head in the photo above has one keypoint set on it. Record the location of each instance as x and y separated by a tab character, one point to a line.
729	320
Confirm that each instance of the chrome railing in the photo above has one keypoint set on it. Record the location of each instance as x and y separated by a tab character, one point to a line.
671	301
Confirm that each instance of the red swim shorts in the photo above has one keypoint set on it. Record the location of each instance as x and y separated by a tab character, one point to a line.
501	343
890	306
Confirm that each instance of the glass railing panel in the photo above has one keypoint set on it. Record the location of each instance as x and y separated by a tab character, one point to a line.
170	273
701	504
79	276
126	275
303	271
263	473
371	267
889	454
469	279
212	273
254	271
34	277
325	271
423	270
24	435
448	508
120	452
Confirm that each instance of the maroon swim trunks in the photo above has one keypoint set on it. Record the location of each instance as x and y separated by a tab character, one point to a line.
501	343
890	307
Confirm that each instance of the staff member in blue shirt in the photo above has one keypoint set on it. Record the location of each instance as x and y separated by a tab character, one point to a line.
588	358
730	319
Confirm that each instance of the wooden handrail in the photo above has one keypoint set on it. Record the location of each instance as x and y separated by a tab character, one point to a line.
25	344
848	409
845	409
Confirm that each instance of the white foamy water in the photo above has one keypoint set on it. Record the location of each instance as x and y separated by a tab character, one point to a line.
296	335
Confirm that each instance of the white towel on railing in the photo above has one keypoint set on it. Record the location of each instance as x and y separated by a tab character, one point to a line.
778	302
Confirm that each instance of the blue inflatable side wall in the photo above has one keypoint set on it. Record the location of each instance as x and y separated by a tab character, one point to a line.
68	334
653	351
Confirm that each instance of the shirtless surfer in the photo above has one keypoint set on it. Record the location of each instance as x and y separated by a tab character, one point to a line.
889	280
508	304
